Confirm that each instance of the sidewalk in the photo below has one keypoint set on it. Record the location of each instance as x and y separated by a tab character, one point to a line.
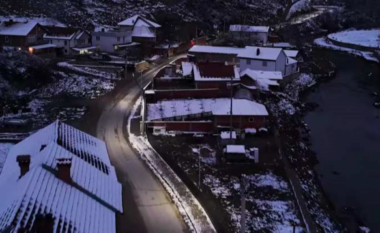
297	189
189	207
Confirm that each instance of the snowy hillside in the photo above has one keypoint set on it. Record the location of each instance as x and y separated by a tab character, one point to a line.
105	12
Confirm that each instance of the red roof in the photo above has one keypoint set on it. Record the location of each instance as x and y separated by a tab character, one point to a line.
216	70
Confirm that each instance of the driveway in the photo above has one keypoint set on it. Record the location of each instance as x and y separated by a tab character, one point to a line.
147	207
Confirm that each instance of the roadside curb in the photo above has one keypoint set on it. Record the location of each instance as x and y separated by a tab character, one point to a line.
188	206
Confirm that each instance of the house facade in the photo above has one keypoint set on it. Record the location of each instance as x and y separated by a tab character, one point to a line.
252	34
109	41
67	39
20	35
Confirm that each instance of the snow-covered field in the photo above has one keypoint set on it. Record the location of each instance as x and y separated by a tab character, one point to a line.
324	43
4	149
267	209
367	38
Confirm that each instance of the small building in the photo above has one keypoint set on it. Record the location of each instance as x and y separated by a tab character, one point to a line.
45	50
204	53
253	34
59	180
20	35
267	59
235	153
227	137
69	41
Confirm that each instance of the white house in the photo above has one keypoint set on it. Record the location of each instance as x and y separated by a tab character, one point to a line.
142	29
254	34
267	59
59	180
108	41
68	40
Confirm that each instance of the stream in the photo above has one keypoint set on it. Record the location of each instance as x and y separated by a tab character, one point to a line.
345	134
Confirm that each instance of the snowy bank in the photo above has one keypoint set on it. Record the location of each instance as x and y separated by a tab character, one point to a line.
366	38
191	210
324	43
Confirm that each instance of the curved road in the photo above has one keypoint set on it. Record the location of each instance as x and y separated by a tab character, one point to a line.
147	207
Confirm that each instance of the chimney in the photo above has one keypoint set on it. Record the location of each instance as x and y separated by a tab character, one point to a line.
64	167
258	51
24	163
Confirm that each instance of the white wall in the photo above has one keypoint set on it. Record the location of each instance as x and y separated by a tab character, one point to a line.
66	45
278	65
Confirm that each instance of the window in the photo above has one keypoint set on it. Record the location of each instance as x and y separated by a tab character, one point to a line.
65	50
65	42
265	63
6	39
248	62
97	38
89	40
251	119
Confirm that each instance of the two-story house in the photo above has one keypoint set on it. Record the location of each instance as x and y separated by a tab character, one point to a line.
20	35
267	59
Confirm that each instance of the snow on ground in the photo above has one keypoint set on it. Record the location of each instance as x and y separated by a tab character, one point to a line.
89	71
300	6
367	38
4	149
324	43
41	20
76	86
266	210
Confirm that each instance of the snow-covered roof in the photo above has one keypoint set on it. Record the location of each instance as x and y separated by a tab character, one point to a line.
17	29
43	46
219	107
215	49
291	61
135	19
259	74
143	31
87	205
227	135
235	149
260	53
214	71
282	45
291	53
187	68
248	28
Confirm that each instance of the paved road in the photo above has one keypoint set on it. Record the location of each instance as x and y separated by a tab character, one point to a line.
147	207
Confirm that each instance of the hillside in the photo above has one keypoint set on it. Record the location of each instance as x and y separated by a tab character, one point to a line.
108	12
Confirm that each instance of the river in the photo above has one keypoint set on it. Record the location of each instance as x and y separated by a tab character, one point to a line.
345	134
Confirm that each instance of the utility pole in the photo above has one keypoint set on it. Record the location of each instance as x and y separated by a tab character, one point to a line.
231	108
199	169
242	193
